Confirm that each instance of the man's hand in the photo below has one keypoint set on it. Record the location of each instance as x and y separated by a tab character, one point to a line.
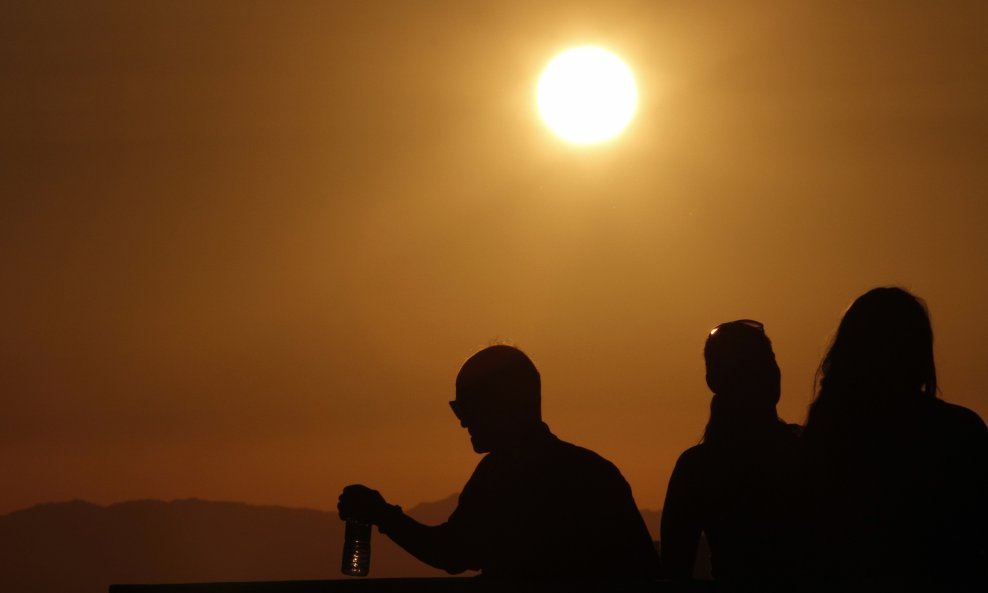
362	504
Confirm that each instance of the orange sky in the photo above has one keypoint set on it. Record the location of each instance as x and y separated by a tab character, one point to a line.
245	246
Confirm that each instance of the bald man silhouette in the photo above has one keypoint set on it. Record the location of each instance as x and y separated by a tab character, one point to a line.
536	507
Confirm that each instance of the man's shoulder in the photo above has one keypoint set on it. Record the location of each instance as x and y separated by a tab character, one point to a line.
581	457
570	449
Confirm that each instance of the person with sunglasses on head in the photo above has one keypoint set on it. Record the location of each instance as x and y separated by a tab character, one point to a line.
536	507
736	487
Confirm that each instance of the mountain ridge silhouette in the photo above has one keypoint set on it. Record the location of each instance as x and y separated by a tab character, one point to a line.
84	547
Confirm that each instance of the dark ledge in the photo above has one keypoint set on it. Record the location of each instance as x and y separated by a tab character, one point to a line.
421	585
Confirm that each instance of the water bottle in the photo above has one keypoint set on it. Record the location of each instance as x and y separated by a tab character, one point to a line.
356	549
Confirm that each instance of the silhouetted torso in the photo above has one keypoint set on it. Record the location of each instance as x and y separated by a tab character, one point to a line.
549	510
740	494
903	500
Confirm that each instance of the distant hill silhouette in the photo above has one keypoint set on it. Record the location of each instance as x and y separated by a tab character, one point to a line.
82	548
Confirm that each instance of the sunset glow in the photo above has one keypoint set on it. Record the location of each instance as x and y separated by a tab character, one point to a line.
247	246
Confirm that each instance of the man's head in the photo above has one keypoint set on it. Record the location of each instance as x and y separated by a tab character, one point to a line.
741	364
498	397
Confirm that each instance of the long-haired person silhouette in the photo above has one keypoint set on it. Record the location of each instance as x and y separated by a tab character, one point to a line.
737	486
897	479
536	507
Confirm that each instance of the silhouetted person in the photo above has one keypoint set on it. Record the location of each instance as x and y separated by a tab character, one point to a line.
737	486
536	507
897	478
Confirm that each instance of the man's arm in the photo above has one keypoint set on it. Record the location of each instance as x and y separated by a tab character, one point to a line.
434	545
437	546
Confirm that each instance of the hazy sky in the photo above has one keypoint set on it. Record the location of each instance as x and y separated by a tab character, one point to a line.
245	246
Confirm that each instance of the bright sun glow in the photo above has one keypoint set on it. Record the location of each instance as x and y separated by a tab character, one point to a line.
586	95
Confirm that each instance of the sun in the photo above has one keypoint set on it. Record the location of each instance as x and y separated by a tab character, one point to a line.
587	95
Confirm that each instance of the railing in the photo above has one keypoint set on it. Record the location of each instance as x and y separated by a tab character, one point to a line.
424	585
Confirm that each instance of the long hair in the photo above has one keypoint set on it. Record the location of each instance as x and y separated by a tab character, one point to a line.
881	357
